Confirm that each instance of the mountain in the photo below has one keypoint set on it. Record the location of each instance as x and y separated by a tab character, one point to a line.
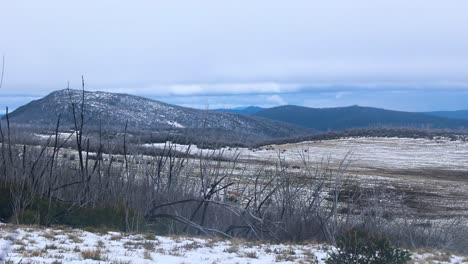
241	110
460	114
342	118
114	110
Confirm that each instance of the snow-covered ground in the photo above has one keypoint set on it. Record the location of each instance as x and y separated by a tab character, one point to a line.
61	136
390	152
364	152
422	176
65	245
78	246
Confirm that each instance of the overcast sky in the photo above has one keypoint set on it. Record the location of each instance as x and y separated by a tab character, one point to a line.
398	54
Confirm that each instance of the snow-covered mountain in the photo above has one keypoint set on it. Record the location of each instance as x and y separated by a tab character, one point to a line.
114	110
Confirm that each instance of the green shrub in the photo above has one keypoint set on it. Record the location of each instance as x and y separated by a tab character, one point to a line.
39	212
357	246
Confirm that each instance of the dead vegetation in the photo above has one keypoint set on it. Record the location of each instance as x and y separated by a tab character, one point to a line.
95	254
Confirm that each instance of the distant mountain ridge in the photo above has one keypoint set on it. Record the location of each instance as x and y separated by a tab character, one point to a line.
342	118
459	114
114	110
249	110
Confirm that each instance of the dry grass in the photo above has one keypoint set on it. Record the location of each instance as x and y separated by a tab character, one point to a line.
130	245
215	240
93	254
58	256
75	238
175	251
20	249
121	262
50	235
10	238
438	258
309	257
147	255
161	251
285	255
100	244
116	237
192	246
51	247
147	245
150	236
19	242
35	253
232	249
250	254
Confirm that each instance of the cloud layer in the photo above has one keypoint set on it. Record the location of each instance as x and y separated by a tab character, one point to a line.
215	48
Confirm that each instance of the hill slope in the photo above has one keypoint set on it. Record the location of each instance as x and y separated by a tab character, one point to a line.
342	118
242	110
114	110
460	114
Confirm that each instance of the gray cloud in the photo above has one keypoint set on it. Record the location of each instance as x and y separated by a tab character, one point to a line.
161	48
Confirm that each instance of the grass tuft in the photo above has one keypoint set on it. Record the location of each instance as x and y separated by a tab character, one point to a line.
93	254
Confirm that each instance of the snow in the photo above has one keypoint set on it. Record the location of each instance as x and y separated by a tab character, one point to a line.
61	135
175	124
66	245
369	152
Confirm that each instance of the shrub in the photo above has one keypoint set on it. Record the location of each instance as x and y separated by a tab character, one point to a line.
59	213
5	204
357	246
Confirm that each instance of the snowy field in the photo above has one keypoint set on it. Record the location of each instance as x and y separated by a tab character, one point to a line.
388	152
428	178
64	245
364	152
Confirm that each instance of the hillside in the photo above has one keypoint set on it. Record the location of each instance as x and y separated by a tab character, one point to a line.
342	118
114	110
241	110
460	114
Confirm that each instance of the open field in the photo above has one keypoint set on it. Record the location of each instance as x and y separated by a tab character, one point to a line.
365	153
418	178
422	177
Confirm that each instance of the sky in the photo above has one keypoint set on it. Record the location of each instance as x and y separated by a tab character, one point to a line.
398	54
